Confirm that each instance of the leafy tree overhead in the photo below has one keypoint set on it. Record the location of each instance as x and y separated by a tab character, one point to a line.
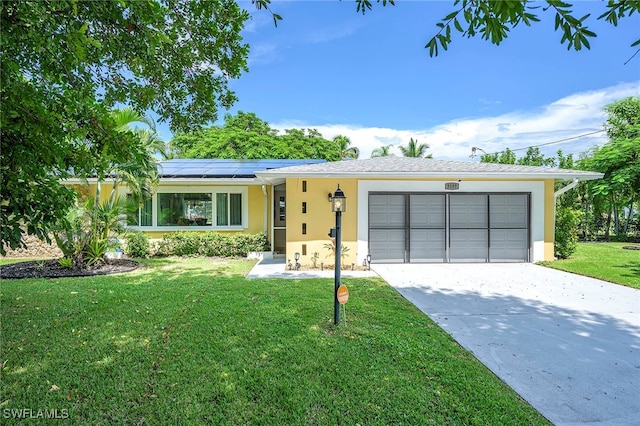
619	160
415	149
65	64
244	135
492	20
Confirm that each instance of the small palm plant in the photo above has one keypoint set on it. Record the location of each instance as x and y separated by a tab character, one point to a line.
332	249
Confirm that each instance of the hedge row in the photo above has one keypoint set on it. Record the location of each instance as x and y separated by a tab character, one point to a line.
183	243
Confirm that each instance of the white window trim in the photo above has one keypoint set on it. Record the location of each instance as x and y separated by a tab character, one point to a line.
209	189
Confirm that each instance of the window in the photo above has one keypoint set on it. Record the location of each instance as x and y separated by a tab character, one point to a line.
228	209
211	208
185	209
142	215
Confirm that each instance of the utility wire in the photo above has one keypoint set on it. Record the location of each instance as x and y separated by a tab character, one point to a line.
542	144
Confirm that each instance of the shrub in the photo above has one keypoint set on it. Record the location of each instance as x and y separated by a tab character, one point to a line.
566	238
138	244
184	243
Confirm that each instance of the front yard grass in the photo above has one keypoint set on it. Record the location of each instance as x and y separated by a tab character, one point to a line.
193	342
606	261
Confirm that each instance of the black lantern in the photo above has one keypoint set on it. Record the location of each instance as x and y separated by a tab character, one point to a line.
338	201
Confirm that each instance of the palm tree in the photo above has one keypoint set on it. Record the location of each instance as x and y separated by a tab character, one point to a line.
140	174
415	150
383	151
346	151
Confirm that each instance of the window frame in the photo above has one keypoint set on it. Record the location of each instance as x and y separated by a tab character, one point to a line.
212	190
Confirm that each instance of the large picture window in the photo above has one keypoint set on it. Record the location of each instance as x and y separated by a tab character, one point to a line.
184	209
216	208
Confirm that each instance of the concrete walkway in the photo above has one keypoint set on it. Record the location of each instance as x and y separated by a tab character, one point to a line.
569	345
277	268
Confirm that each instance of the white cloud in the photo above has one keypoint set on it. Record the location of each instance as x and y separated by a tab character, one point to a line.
573	115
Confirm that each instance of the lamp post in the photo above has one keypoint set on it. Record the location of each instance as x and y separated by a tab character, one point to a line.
338	205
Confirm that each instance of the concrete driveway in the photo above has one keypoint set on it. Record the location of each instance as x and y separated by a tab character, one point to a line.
569	345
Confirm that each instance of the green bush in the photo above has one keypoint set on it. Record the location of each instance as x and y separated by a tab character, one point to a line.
566	238
138	245
185	243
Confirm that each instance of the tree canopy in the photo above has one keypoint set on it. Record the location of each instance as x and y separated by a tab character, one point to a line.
492	20
65	64
346	150
244	135
610	203
383	151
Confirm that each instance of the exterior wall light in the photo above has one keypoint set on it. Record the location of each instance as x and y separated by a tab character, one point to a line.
338	201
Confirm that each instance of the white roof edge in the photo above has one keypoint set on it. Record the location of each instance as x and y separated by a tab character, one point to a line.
581	175
187	181
200	181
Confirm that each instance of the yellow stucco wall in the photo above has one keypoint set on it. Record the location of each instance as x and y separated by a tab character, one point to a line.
319	219
255	208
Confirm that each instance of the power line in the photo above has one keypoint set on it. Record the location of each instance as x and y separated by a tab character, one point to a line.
474	149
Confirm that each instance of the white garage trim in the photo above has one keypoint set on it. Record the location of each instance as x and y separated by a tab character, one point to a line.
536	188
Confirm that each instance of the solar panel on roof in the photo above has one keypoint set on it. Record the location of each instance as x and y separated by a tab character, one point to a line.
224	168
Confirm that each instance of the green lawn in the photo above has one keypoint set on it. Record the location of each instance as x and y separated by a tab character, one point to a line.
607	261
193	342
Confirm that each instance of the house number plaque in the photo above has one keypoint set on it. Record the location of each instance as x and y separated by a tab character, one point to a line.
451	186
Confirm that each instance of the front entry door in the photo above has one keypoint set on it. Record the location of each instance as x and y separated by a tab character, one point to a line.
279	219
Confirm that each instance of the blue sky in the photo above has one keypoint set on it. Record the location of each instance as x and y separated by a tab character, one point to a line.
370	78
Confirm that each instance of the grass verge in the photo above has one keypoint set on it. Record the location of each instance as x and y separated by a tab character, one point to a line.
193	342
606	261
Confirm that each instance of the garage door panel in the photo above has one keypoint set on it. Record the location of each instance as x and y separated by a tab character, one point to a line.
387	245
508	210
427	210
509	245
468	245
427	245
468	211
386	211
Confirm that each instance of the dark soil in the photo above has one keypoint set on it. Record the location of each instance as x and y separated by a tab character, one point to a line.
52	269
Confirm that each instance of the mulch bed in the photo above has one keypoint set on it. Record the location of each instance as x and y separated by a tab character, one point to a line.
52	269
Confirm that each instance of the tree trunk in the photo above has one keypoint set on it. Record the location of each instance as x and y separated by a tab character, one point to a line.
630	216
616	215
607	225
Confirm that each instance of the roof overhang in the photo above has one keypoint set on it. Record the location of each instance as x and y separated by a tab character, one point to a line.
178	181
274	176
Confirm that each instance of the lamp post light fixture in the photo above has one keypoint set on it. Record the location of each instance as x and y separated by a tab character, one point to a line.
338	206
369	261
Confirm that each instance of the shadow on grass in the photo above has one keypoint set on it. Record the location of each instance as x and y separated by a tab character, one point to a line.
573	366
631	270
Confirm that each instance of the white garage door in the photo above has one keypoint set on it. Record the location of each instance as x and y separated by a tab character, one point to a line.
427	227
